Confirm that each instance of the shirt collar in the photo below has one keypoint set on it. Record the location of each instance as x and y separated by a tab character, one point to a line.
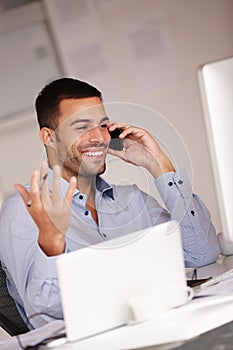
101	185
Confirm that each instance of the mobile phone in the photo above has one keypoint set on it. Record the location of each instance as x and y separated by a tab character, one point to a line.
194	283
116	143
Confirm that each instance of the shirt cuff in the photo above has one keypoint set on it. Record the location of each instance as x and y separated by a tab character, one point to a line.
43	260
173	186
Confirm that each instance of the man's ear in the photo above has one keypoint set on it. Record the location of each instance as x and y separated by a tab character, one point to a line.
47	136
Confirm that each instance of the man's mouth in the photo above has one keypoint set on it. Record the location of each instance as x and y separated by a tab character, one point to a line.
93	153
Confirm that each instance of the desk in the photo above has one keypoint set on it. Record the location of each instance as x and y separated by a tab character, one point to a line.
177	328
219	338
197	325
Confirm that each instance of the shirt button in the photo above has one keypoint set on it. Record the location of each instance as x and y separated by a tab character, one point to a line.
104	234
86	212
80	197
192	212
170	183
180	182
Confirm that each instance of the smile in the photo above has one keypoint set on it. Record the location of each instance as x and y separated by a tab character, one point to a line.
94	154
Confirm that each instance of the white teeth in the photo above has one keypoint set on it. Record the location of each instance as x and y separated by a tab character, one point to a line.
94	154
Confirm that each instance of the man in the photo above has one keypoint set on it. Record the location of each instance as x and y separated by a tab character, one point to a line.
38	223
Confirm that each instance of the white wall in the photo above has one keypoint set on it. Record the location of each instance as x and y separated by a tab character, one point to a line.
27	63
199	32
195	32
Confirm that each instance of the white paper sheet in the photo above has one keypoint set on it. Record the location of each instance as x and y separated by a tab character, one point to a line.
79	38
150	54
221	288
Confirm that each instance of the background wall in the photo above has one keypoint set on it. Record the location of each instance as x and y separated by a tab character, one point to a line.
176	38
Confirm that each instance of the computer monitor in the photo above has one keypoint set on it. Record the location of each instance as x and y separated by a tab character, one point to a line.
216	81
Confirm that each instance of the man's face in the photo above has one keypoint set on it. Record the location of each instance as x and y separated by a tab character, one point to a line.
82	137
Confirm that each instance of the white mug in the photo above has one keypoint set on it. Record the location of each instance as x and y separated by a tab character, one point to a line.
146	307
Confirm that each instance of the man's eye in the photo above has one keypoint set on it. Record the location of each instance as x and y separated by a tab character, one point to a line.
103	126
81	127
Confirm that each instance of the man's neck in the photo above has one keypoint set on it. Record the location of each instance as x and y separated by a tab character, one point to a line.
84	183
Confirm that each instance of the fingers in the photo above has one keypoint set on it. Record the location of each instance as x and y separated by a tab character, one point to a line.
129	131
71	189
133	133
34	195
114	125
23	192
35	188
115	152
44	182
57	191
39	189
56	196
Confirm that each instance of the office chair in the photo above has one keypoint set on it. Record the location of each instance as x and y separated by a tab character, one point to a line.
10	319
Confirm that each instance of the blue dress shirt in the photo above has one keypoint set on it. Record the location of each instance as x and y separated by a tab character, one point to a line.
31	275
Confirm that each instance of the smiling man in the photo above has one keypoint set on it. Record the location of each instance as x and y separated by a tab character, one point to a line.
68	205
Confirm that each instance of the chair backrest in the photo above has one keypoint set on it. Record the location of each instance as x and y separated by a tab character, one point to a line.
10	319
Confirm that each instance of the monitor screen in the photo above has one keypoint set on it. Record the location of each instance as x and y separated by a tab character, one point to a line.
216	82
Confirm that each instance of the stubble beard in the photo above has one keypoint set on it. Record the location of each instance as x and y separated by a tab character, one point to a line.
74	166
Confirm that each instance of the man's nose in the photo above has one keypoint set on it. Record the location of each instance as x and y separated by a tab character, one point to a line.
97	134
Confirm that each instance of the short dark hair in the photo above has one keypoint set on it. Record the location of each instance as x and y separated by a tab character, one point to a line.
49	98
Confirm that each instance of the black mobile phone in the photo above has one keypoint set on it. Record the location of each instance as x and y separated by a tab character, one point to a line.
115	142
194	283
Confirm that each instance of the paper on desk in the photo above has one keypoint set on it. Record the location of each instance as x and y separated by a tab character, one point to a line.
34	337
221	288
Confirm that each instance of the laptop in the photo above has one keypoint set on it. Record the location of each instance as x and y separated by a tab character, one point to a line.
97	282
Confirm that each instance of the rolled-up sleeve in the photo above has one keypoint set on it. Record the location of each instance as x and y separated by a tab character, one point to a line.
31	275
200	244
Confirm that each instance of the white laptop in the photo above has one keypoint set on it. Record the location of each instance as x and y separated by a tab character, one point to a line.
97	282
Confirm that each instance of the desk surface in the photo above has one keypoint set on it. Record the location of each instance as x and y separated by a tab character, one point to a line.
204	323
190	327
218	338
178	326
